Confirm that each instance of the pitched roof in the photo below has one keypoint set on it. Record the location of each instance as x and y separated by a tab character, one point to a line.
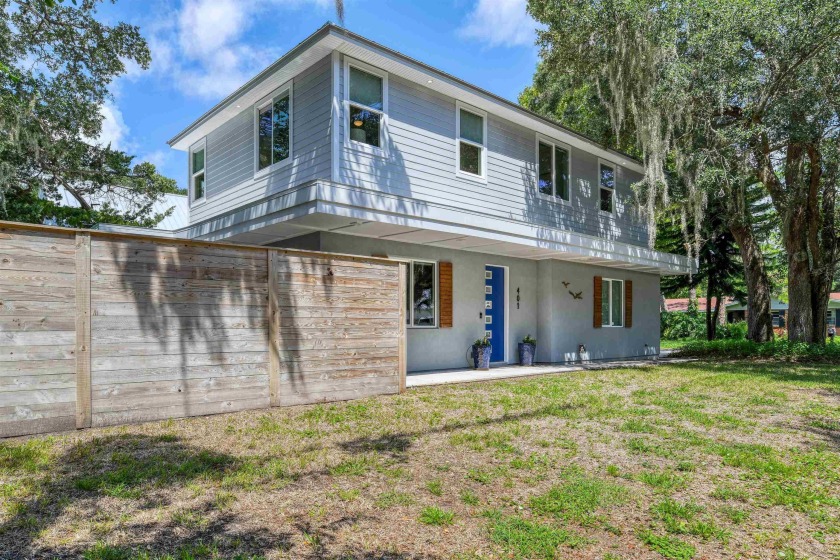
681	304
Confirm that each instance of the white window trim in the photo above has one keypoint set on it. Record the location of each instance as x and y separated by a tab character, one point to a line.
623	318
479	113
261	104
382	150
554	144
614	167
410	289
200	145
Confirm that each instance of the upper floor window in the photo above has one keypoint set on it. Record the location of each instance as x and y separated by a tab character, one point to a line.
197	173
553	170
472	141
421	297
274	129
366	96
607	190
612	302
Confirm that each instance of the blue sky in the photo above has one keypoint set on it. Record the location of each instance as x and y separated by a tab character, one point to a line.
204	49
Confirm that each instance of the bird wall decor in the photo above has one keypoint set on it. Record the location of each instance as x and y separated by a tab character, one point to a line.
565	284
577	295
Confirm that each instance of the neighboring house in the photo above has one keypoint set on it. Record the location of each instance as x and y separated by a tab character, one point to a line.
738	311
176	220
511	223
680	305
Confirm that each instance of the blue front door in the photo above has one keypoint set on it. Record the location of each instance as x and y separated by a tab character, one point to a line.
494	310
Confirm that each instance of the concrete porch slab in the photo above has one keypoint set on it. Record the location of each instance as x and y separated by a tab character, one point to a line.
465	375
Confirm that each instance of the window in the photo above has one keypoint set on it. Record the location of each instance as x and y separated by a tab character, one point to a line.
421	299
553	170
828	318
472	137
197	174
274	130
612	303
366	95
607	190
776	319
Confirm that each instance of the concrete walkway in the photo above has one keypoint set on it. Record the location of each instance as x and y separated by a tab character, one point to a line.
443	377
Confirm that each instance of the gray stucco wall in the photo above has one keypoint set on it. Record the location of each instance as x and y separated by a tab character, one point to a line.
546	311
570	320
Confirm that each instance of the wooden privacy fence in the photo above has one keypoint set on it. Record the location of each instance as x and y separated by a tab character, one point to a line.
99	329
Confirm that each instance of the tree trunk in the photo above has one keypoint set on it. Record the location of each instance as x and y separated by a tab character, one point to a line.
710	319
759	317
716	321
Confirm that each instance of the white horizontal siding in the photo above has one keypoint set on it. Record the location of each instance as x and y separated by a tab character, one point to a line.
231	149
421	165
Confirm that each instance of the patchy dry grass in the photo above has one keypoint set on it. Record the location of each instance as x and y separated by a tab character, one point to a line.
680	461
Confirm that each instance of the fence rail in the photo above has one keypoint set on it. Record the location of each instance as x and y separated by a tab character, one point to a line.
99	329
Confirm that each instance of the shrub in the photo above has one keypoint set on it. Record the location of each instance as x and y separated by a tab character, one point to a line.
732	331
678	325
780	349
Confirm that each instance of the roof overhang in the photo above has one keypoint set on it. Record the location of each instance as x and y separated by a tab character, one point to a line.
330	37
333	207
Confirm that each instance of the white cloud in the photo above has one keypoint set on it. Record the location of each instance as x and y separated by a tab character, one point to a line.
500	23
201	47
114	130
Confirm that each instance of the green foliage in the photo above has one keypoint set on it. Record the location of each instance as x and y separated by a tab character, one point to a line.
779	349
680	325
579	498
669	547
436	516
529	539
482	342
529	340
59	61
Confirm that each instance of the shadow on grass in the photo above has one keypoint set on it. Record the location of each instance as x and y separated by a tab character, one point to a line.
397	445
89	475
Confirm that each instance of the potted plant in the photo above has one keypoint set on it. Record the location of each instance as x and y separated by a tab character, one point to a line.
527	349
481	350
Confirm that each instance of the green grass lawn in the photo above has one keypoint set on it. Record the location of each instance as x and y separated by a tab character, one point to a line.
680	461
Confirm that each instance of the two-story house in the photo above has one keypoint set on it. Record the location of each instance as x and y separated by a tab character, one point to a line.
511	224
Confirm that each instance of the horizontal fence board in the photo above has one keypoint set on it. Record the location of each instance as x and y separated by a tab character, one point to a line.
160	394
37	338
101	419
36	323
53	263
178	373
17	278
38	396
37	382
120	282
37	367
13	308
167	335
145	270
25	426
338	390
160	297
174	323
26	353
183	310
182	347
186	360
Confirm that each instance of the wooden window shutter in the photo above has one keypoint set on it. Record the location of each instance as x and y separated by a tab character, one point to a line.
445	288
628	304
597	318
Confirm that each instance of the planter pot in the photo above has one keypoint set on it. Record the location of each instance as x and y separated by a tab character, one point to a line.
481	357
526	354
